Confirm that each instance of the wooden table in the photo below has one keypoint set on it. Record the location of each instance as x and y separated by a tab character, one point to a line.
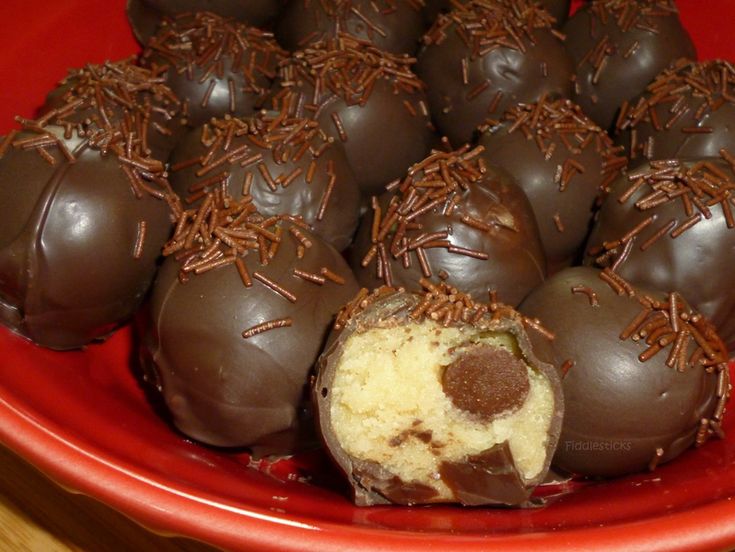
38	515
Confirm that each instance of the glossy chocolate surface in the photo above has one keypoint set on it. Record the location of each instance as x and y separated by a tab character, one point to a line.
674	232
476	231
558	8
618	47
562	161
474	71
287	165
490	477
395	27
216	66
631	403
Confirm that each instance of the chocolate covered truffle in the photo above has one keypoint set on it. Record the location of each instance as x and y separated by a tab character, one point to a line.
287	165
669	225
238	316
687	111
455	218
618	47
484	57
563	161
366	99
432	397
83	212
646	377
216	66
391	25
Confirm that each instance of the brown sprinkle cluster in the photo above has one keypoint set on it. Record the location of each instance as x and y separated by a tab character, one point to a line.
698	89
434	185
696	189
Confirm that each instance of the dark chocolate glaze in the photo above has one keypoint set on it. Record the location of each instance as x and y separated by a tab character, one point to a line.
502	230
619	409
395	27
692	262
145	15
563	162
694	113
227	390
284	181
558	8
206	60
617	56
490	477
470	82
385	126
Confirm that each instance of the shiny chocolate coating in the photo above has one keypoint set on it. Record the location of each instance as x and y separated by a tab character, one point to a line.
145	15
216	66
291	167
223	388
623	414
395	27
558	8
488	240
469	80
693	246
685	112
618	47
490	477
562	161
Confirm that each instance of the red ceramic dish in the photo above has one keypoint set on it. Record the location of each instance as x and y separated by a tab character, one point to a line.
83	419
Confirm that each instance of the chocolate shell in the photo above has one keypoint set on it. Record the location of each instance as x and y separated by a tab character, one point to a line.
618	47
415	410
482	58
455	218
645	376
669	225
391	26
687	111
216	66
562	161
237	324
287	165
366	99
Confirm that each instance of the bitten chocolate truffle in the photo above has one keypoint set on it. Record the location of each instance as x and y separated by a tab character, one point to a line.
393	26
288	166
83	211
563	161
431	397
216	66
646	377
455	218
238	316
687	111
618	47
366	99
146	15
484	57
669	225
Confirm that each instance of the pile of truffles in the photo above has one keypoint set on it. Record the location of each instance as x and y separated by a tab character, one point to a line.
456	244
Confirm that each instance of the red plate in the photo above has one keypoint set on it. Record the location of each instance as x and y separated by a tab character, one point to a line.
82	418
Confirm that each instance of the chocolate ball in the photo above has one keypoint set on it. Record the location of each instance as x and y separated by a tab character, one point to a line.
646	377
456	219
669	225
287	165
562	161
264	297
418	408
618	47
482	58
366	99
216	66
146	15
687	111
395	27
